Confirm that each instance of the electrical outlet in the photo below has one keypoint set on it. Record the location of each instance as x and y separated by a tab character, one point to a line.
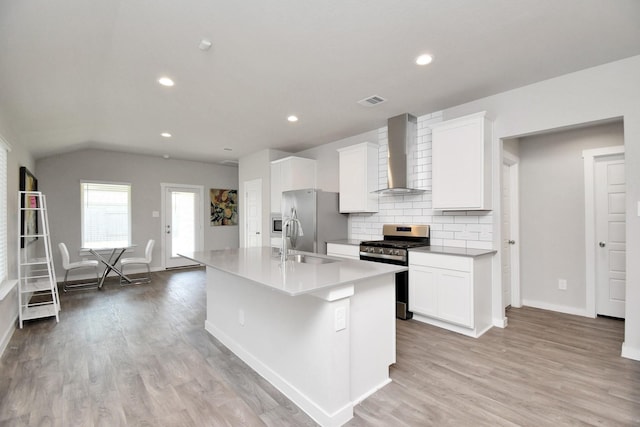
562	284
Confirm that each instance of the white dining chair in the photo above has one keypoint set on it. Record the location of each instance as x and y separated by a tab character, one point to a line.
146	260
68	266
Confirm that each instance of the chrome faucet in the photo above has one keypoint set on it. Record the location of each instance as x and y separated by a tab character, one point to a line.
283	247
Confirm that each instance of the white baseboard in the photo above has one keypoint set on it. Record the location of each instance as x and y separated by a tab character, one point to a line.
6	337
555	307
630	352
470	332
501	323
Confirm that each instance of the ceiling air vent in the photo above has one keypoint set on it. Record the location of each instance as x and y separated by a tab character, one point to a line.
372	100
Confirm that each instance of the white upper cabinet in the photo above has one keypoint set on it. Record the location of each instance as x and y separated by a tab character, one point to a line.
461	163
290	173
359	178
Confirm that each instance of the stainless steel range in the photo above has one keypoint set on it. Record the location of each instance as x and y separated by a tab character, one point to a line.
394	249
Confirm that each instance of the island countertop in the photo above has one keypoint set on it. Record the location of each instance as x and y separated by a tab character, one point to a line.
262	265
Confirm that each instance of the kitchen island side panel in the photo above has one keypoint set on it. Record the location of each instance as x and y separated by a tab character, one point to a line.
290	341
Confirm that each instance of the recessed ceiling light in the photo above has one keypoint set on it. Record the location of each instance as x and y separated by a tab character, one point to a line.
165	156
292	119
424	59
165	134
165	81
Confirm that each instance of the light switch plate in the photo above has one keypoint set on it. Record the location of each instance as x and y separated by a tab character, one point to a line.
155	214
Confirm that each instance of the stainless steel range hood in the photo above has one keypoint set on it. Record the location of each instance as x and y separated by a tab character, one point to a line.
401	132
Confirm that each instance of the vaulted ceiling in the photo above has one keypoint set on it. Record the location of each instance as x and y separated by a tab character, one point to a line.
78	73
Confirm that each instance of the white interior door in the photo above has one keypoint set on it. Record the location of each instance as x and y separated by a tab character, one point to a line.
506	236
510	254
182	223
253	213
610	208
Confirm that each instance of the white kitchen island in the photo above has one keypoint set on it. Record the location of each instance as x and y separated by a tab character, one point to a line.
323	334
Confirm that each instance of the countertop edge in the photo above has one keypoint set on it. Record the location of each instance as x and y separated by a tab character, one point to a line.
454	251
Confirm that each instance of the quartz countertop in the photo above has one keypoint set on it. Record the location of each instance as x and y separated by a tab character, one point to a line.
450	250
262	265
350	242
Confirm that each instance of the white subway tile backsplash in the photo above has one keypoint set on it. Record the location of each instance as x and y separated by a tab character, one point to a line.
466	219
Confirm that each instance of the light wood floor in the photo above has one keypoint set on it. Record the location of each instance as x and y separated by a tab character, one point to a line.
139	356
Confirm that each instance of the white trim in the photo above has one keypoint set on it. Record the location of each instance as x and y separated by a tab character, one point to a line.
590	157
163	218
630	352
555	307
7	286
6	338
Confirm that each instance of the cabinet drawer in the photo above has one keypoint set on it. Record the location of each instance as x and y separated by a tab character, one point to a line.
347	251
449	262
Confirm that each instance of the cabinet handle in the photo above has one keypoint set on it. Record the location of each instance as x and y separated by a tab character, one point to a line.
511	242
602	244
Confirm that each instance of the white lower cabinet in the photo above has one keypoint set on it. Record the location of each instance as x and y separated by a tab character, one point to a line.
453	292
340	250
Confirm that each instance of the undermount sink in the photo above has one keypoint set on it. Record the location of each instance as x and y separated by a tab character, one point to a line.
309	259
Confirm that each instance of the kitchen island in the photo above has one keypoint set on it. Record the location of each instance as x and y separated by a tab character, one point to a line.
320	329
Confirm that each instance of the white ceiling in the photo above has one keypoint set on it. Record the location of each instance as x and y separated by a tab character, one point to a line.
78	73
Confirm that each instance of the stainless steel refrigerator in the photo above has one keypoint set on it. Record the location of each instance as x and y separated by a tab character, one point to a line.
319	217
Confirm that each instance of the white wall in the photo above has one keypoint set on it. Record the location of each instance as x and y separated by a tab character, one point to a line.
257	166
9	305
552	221
59	179
327	160
608	91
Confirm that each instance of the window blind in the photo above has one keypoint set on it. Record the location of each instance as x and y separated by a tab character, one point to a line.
106	214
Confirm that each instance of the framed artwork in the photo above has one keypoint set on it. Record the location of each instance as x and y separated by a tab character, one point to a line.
28	218
224	207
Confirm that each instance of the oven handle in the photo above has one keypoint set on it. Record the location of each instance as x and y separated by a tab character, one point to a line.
382	256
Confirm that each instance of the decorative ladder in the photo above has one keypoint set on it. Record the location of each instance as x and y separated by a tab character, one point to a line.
37	285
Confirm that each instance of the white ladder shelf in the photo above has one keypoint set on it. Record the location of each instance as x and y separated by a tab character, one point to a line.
37	285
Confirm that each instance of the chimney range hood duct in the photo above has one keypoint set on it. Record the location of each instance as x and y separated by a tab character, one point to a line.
401	133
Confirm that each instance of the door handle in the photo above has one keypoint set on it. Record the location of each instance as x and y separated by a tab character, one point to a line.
511	242
602	244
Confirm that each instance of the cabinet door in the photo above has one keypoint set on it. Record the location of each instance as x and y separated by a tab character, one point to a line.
457	156
455	297
423	295
359	178
276	187
298	174
353	185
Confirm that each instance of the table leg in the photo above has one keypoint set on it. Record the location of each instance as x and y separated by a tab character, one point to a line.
110	264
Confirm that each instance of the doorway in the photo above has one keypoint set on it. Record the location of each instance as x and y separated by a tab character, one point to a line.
253	209
510	244
182	222
605	210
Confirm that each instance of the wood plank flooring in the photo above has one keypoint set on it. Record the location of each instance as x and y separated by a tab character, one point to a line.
139	356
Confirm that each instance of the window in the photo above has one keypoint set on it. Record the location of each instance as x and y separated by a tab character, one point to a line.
3	209
106	214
